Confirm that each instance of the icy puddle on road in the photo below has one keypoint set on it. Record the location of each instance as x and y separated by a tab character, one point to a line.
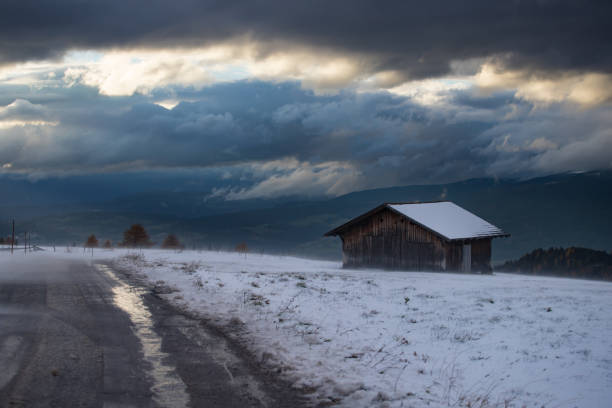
168	388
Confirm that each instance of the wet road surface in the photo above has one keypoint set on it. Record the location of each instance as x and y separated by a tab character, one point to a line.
79	334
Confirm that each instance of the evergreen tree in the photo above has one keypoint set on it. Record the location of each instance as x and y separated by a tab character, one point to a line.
92	242
136	237
171	242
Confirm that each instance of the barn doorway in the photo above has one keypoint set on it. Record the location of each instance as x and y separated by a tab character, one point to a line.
466	265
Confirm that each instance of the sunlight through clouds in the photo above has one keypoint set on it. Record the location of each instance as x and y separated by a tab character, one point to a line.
324	99
583	89
119	72
289	176
125	73
431	91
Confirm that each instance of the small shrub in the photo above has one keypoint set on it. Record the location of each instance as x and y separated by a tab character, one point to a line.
464	336
258	300
495	319
191	267
134	258
440	332
236	322
197	282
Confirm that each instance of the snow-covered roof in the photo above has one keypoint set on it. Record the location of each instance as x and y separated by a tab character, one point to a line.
444	218
448	219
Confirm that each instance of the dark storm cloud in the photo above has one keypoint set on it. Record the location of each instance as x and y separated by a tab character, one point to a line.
418	38
228	124
246	132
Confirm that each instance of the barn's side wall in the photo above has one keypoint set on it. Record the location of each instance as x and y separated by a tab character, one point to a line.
481	256
454	255
391	241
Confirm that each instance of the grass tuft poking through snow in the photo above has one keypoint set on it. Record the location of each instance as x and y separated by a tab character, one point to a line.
402	339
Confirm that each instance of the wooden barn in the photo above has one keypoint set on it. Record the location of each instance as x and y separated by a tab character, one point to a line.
430	236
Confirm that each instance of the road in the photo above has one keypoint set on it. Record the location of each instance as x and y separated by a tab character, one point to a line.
80	334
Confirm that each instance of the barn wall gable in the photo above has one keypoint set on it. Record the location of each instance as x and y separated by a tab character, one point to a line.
389	240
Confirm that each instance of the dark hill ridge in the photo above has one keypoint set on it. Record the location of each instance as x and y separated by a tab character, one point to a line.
565	262
556	211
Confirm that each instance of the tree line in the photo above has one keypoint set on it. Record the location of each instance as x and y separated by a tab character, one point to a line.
135	237
573	262
8	240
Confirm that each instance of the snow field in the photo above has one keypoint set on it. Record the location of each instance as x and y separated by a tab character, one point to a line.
372	338
375	338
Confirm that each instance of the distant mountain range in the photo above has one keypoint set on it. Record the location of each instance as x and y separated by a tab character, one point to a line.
561	210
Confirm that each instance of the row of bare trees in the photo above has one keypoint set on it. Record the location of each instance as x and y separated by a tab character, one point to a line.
136	237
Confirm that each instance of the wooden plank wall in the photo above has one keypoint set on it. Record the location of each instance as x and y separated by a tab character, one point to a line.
454	255
481	256
388	240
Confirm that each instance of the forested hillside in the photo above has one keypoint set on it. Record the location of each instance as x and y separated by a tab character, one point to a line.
567	262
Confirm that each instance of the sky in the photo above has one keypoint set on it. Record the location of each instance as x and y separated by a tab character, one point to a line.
263	99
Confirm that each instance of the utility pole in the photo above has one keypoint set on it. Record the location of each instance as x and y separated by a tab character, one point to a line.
25	242
13	237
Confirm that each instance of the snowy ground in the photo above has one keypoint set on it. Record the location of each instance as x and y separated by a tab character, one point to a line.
374	338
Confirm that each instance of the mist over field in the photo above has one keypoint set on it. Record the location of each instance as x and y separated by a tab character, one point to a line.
556	211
